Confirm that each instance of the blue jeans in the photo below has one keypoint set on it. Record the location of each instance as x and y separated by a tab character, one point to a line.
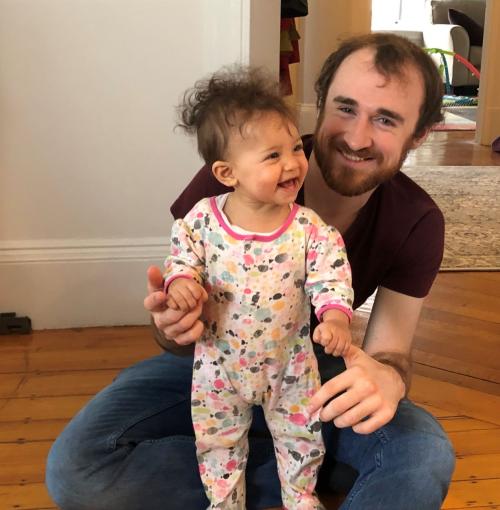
132	448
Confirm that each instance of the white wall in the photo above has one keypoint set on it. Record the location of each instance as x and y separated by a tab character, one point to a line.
89	162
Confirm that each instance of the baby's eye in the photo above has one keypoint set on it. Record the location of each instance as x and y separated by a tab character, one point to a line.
299	147
273	155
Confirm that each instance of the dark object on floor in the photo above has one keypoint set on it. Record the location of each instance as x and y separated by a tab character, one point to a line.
12	325
495	145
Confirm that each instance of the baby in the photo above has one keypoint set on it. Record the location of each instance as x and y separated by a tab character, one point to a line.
262	259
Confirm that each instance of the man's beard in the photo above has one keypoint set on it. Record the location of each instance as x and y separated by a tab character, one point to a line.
342	178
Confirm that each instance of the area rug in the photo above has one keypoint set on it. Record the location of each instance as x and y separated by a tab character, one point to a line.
458	118
468	197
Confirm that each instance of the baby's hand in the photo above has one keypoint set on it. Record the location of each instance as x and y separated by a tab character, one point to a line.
184	294
334	336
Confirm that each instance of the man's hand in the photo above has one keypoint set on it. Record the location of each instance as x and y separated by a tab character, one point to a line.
364	397
183	328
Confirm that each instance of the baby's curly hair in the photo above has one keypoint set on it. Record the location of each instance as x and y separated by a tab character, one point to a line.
226	100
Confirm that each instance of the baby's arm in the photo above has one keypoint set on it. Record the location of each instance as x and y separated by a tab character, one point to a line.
328	283
185	266
333	332
184	294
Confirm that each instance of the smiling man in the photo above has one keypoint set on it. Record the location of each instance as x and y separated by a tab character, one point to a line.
133	447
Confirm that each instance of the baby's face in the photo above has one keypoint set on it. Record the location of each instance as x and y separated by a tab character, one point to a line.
268	160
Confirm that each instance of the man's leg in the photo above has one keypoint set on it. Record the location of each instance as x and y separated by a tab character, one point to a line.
407	464
132	447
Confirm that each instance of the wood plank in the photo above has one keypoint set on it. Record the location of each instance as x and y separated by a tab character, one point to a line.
475	442
473	295
43	408
25	497
26	462
458	377
437	412
458	423
452	148
31	430
467	342
40	384
484	282
95	348
76	338
472	494
477	467
103	358
463	401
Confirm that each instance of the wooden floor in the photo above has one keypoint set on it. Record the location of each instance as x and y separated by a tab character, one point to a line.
46	377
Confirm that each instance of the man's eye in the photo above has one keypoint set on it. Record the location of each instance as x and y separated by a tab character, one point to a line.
385	121
299	147
346	109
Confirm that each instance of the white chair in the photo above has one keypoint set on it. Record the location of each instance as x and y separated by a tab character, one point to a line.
440	33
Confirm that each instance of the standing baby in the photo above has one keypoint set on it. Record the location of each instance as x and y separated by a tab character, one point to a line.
262	259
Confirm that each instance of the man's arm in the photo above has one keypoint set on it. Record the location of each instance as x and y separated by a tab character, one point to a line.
366	395
390	331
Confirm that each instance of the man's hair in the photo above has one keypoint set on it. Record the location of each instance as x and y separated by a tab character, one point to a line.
393	55
225	101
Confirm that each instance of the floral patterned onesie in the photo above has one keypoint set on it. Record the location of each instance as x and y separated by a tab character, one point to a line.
256	348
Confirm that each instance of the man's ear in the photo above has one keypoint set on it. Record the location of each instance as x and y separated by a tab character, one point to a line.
223	172
418	141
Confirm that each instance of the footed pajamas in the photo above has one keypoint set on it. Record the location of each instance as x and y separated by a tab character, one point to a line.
256	347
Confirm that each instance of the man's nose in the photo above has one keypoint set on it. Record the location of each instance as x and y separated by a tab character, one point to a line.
358	135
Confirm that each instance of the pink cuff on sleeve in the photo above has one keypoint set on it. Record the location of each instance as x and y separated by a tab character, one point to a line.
169	280
323	309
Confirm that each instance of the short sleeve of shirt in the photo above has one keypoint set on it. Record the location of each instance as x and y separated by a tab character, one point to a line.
417	262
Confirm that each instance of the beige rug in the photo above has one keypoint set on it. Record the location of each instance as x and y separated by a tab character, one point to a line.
469	199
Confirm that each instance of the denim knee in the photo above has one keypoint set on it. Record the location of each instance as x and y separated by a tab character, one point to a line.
426	441
60	481
407	464
420	448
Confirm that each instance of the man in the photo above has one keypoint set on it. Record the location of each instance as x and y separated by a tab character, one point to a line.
132	447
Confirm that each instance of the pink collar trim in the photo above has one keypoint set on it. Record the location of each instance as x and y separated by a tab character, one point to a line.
253	237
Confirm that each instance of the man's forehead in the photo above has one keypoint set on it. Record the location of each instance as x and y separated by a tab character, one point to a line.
362	62
358	78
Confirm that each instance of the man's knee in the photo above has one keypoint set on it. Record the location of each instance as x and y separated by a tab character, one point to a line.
424	446
61	483
429	456
75	470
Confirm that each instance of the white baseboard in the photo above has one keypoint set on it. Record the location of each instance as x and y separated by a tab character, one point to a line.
78	283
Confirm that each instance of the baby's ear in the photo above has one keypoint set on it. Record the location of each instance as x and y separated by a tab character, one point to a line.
223	172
